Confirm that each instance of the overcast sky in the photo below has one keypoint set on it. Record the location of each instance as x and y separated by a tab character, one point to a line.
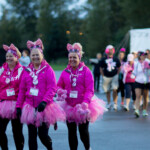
75	5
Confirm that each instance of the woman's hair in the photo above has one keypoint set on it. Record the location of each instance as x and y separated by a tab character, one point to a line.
18	53
27	52
81	51
140	53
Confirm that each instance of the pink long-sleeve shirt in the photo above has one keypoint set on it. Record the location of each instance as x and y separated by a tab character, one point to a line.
84	86
14	76
46	86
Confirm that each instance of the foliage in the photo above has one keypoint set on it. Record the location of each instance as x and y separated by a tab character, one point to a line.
106	22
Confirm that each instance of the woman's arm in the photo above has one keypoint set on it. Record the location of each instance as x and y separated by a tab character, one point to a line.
89	86
50	85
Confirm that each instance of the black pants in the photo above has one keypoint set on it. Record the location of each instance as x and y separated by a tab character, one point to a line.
42	132
130	88
96	81
84	135
121	88
17	133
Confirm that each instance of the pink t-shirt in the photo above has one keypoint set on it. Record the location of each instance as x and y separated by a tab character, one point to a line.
129	77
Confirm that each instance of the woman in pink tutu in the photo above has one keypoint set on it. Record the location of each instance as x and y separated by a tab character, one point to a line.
76	91
10	76
36	92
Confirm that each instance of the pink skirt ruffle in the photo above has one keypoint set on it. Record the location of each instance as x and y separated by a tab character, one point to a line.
8	109
95	109
51	114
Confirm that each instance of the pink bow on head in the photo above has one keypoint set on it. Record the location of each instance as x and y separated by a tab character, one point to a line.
36	44
11	49
75	47
69	47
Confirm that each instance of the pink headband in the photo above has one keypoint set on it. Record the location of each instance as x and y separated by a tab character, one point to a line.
74	48
122	50
107	50
37	44
12	49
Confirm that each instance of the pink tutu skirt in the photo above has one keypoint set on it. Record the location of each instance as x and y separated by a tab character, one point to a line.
8	109
85	111
51	114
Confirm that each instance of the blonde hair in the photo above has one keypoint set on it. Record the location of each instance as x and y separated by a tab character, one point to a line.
81	51
18	53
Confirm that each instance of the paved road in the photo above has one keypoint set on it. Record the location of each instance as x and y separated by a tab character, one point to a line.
116	131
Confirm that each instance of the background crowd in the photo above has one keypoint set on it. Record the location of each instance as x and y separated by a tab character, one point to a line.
125	74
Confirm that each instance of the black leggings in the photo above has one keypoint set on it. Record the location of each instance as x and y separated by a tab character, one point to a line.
84	135
121	88
130	88
43	135
17	133
96	81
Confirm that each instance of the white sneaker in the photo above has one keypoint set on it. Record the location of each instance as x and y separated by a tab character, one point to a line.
126	108
115	106
133	106
137	113
108	106
144	113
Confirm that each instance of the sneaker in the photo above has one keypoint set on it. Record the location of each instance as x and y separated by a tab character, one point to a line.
137	113
133	106
144	113
115	107
126	108
108	106
90	149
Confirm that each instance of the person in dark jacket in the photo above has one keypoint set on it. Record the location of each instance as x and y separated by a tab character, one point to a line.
96	71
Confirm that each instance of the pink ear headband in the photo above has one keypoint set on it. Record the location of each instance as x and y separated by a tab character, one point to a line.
122	50
37	44
107	50
74	48
11	49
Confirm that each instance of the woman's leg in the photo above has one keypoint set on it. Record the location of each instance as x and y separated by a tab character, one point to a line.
138	93
128	95
84	134
17	133
44	137
122	92
3	137
98	78
145	95
72	135
133	94
32	134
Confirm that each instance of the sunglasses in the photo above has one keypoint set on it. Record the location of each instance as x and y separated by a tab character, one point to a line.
73	50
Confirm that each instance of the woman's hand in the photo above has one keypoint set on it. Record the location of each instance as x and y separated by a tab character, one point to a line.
41	106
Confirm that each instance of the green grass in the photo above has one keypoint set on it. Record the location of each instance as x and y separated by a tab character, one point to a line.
58	67
62	67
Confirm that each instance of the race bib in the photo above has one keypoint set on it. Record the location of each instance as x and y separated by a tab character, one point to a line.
34	91
10	92
73	94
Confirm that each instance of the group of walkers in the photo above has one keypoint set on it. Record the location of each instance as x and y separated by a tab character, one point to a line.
27	97
131	78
